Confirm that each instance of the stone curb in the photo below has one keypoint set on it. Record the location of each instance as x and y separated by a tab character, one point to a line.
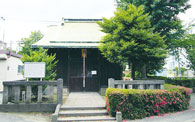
55	115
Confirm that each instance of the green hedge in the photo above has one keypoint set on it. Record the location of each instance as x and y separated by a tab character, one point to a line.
137	104
176	81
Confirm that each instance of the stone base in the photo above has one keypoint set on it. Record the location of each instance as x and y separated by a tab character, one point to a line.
102	90
193	89
65	90
46	107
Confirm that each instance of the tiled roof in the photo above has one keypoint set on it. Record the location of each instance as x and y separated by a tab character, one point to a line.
83	33
10	53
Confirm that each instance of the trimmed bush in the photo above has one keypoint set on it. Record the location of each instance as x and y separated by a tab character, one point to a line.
137	104
176	81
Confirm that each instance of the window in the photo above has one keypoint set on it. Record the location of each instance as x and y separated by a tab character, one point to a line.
20	69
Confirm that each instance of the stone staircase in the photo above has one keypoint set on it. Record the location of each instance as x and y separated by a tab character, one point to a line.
83	114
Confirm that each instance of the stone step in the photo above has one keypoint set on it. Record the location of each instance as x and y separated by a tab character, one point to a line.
86	118
83	113
81	108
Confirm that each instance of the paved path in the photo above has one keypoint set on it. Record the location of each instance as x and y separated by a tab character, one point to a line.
95	100
84	99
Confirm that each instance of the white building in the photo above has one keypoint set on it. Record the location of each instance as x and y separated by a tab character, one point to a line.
171	63
10	67
3	45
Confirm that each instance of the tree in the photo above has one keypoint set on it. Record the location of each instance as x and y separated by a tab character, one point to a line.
41	55
163	16
191	58
188	42
183	70
130	38
34	37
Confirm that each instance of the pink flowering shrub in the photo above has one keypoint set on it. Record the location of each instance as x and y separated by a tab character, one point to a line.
137	104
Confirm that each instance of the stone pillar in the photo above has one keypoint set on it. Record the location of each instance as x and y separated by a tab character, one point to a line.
119	86
60	91
193	89
141	86
28	94
161	86
23	96
51	92
16	94
123	86
130	86
111	82
11	93
152	86
5	94
119	117
40	94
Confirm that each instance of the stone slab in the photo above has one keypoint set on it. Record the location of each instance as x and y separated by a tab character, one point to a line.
28	107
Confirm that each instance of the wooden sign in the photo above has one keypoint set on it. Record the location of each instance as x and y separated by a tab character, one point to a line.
84	53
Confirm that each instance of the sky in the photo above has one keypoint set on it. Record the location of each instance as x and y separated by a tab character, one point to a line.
24	16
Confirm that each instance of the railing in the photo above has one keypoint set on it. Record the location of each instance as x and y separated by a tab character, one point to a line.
136	84
21	91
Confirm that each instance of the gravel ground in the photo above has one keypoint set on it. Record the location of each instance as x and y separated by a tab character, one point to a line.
25	117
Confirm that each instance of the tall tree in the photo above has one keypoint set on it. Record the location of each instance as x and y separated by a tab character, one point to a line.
188	43
130	38
163	16
34	37
39	55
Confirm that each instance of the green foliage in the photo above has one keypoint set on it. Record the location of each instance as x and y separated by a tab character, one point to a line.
163	16
191	58
41	55
188	43
182	70
34	37
177	81
137	104
130	38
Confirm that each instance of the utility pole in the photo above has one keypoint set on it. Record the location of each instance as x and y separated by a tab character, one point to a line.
3	28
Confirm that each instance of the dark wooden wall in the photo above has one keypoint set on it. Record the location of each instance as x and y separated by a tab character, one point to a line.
70	59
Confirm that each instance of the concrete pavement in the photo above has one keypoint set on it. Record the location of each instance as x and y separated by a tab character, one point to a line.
84	99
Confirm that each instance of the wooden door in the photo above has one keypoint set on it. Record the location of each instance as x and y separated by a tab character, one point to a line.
76	75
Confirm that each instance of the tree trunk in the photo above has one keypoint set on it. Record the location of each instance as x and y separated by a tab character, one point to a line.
131	65
144	71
